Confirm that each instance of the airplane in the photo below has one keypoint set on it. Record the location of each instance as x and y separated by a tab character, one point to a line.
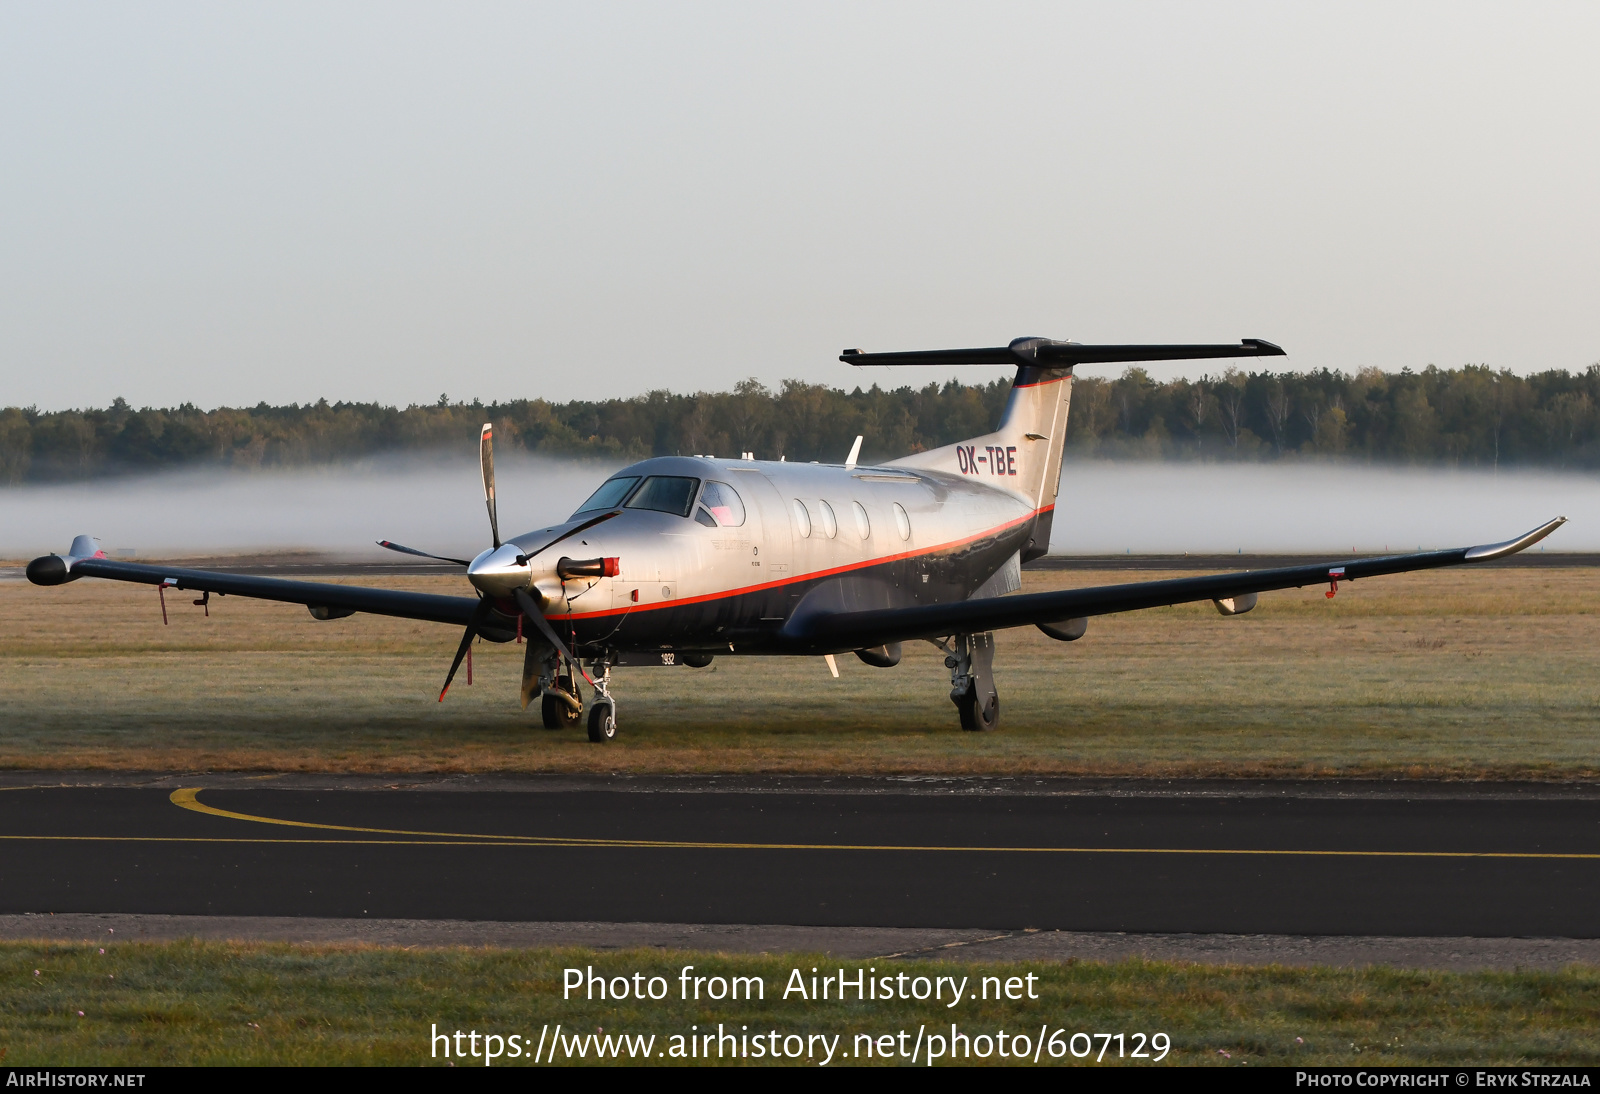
676	560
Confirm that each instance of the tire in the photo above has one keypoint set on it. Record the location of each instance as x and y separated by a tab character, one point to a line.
557	714
976	717
602	722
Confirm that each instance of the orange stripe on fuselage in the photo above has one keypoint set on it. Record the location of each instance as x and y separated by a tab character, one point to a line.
812	576
1042	383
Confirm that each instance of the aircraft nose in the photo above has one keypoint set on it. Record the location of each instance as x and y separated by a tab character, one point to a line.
497	572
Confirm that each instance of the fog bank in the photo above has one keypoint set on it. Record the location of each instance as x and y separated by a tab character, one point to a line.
432	505
1169	508
1104	508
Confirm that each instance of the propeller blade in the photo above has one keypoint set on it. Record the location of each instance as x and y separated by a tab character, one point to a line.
420	554
531	659
461	653
479	614
522	560
486	462
531	610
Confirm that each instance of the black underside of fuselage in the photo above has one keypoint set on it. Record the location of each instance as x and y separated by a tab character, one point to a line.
772	619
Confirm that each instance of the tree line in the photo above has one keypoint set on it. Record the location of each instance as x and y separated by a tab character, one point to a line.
1466	417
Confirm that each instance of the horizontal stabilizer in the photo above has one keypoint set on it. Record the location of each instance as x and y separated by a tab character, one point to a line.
1052	354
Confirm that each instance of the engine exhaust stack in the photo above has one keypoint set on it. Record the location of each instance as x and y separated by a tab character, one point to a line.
588	567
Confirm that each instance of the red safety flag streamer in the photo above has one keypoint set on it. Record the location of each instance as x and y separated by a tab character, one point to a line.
161	591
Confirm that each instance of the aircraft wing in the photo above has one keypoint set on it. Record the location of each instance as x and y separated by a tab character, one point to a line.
313	594
866	629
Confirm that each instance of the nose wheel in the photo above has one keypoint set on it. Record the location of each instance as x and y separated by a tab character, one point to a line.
602	721
602	708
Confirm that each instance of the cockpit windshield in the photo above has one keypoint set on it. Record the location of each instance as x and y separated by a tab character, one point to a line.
665	494
609	496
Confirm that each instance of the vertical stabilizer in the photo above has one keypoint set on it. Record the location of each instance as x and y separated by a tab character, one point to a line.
1022	455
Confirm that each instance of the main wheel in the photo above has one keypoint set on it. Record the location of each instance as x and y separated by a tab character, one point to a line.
602	722
556	713
979	717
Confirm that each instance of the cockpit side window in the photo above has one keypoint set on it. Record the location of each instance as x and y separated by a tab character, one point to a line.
722	503
609	496
665	494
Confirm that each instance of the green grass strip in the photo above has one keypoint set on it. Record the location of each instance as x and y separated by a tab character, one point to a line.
141	1004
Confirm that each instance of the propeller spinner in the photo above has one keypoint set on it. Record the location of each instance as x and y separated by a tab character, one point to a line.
503	572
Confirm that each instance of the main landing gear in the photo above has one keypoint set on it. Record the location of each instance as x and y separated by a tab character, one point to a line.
559	705
971	664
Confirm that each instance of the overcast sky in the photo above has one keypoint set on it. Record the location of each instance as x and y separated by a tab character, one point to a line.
228	203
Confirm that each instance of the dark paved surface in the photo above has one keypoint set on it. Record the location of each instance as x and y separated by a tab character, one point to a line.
1055	856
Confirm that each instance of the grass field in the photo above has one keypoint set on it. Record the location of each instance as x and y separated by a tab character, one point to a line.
1453	673
234	1003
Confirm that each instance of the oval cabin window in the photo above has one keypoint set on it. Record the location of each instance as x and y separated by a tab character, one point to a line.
902	522
863	525
830	524
802	519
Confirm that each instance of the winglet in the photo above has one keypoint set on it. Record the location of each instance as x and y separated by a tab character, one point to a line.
1491	551
855	452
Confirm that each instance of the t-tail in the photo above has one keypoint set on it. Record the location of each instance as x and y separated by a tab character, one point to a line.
1023	454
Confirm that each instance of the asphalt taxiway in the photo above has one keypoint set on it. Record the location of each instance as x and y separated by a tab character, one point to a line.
1440	860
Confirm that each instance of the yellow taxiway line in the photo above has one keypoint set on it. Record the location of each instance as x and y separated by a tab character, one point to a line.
188	798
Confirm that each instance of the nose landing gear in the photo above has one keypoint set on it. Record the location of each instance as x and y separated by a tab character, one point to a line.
550	676
602	708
